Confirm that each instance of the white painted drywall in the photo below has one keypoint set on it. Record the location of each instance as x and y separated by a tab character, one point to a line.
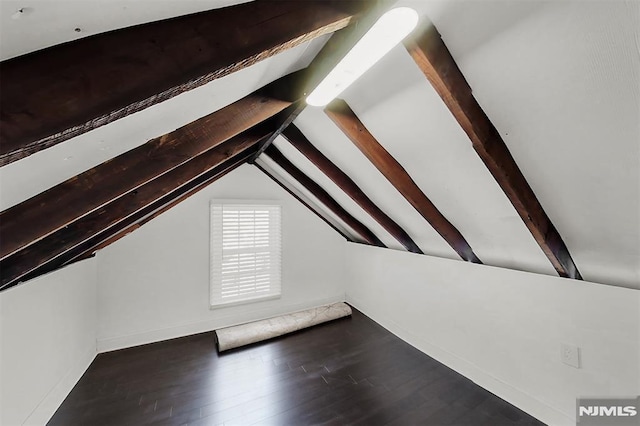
503	328
47	341
154	283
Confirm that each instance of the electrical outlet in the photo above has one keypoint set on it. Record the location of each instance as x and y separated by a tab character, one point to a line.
570	355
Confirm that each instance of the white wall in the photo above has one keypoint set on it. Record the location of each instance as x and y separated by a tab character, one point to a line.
503	328
154	283
47	341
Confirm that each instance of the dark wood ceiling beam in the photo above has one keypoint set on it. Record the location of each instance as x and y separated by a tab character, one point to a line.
342	115
60	205
160	206
303	202
81	236
434	59
60	92
323	196
141	217
344	182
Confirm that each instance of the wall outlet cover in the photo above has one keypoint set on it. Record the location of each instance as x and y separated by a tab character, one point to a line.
570	355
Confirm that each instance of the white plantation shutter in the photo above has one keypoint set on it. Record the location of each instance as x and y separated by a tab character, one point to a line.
245	252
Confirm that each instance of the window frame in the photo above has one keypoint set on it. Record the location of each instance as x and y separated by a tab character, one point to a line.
216	244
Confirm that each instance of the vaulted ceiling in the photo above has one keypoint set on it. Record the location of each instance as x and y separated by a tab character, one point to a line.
509	136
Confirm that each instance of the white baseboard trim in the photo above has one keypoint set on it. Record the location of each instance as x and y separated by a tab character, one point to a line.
527	403
236	315
50	403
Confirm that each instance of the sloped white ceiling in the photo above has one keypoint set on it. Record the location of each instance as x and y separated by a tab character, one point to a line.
563	87
560	82
558	79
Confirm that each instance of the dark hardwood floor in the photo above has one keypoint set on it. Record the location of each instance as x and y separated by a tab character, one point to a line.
350	371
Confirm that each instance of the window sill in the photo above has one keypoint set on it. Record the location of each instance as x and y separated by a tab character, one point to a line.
221	305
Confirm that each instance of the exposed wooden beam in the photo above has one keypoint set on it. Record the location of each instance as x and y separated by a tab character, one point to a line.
60	92
322	195
81	236
288	116
350	124
155	209
307	205
344	182
55	208
141	217
92	251
434	59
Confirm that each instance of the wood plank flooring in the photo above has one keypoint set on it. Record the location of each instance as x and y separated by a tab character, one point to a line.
350	371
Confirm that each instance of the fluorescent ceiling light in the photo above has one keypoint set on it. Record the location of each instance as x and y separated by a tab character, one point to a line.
388	31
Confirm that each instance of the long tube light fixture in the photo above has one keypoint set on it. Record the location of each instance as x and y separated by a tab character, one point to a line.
387	32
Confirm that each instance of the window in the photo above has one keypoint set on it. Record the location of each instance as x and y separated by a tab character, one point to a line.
245	252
